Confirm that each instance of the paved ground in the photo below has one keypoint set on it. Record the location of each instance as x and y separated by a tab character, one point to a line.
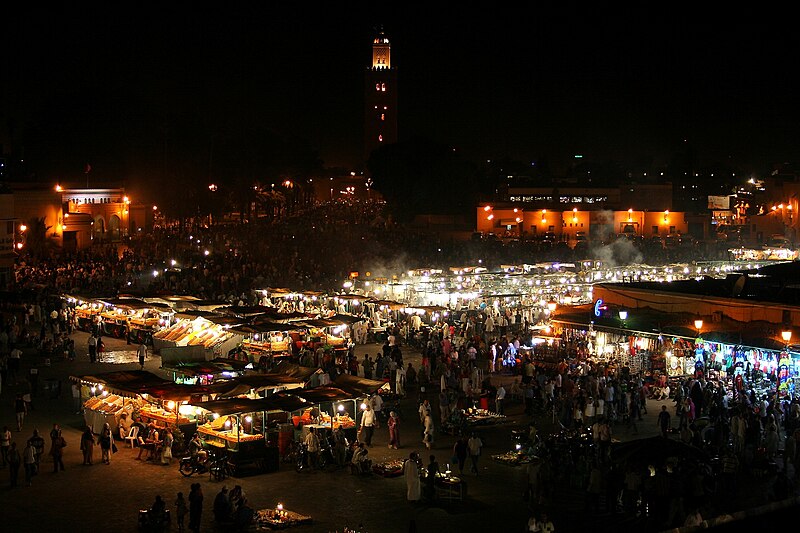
109	496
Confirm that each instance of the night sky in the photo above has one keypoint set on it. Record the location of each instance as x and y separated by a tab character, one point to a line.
134	91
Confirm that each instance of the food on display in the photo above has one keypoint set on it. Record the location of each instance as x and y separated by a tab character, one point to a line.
227	428
392	468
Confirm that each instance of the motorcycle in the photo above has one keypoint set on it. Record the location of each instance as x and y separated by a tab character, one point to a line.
324	458
217	466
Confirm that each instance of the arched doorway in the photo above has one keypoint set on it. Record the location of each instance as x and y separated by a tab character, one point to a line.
113	228
99	229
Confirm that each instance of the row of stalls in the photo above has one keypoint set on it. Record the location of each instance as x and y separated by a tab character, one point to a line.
127	317
252	418
124	318
658	344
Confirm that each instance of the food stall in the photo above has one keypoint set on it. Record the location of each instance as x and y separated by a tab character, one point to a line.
106	396
268	339
207	330
329	408
123	318
239	427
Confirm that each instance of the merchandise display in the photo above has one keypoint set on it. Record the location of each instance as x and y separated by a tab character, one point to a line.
392	468
279	518
226	430
197	332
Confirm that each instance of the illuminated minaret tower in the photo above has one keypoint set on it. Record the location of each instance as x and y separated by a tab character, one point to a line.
380	97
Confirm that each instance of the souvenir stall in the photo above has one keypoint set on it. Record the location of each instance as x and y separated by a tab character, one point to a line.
206	330
239	428
679	357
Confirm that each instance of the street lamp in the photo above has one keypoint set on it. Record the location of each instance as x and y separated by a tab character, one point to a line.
787	336
698	325
623	315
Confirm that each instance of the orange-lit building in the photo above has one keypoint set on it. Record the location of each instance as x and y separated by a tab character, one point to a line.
510	220
74	218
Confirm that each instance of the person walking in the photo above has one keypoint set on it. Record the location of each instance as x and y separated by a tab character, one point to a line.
21	408
664	421
14	460
29	460
57	445
499	399
106	441
394	430
411	475
368	424
142	353
180	510
5	444
427	438
474	444
195	507
87	445
312	447
37	442
92	349
460	449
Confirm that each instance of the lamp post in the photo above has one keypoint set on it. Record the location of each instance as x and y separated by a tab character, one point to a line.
698	325
786	336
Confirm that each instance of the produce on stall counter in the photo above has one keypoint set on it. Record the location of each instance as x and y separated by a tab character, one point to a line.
193	333
392	468
225	427
324	419
154	412
111	404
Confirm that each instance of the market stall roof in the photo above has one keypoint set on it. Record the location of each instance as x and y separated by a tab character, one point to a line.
286	401
245	310
231	364
359	386
228	388
391	304
353	297
266	327
211	317
323	394
175	391
346	319
194	368
302	373
321	323
131	381
132	303
278	316
230	406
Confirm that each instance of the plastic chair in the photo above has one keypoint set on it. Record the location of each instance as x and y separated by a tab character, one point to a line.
132	434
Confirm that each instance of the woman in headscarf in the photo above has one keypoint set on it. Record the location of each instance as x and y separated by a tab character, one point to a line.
394	430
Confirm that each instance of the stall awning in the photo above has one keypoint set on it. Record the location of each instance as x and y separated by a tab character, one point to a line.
231	406
302	373
123	381
346	319
357	386
323	394
175	391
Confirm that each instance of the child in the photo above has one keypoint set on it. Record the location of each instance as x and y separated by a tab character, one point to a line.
180	510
